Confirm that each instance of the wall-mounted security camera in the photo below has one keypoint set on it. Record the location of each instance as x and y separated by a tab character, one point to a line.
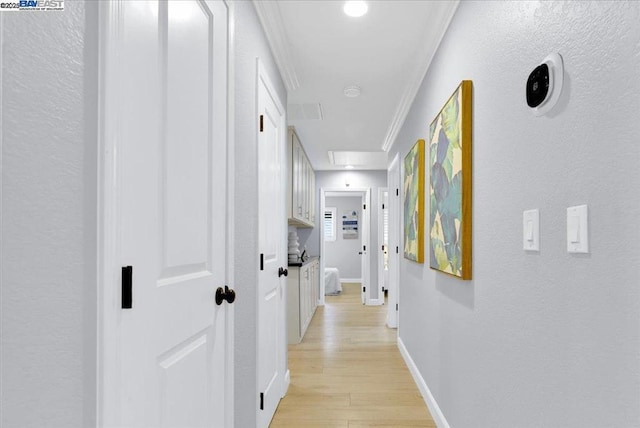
544	84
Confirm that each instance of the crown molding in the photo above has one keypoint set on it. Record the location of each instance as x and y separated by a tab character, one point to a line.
273	25
411	90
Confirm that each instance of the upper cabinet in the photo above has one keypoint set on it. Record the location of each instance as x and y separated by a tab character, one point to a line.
301	182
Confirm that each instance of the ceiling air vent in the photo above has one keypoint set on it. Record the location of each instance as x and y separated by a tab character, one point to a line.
307	111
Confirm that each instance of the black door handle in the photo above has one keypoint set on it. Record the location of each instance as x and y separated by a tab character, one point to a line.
282	271
225	294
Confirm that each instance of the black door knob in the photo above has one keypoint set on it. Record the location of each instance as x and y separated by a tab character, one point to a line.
225	294
282	271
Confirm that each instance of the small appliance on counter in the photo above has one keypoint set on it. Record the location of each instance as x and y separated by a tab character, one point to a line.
293	248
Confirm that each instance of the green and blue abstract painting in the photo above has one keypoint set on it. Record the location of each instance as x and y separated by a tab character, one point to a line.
448	182
413	189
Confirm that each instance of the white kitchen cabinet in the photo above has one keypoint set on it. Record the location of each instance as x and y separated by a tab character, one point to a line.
302	298
300	184
310	195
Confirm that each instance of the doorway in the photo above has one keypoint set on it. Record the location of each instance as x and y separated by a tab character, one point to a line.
350	252
383	240
394	201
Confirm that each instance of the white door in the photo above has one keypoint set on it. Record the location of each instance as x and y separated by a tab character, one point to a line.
166	108
363	254
367	291
383	239
273	257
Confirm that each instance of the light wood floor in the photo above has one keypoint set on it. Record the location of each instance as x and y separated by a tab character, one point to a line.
348	372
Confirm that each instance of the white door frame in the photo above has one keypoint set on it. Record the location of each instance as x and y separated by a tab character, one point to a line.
109	94
379	251
395	202
365	193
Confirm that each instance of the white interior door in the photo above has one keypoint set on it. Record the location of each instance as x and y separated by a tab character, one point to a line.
367	291
166	109
383	239
272	243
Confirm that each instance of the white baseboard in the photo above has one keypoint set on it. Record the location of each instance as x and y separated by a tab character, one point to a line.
343	280
376	302
287	382
436	413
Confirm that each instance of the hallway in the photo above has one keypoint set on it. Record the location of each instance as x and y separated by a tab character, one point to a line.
348	372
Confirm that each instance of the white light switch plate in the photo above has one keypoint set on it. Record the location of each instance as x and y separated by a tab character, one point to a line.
577	229
531	230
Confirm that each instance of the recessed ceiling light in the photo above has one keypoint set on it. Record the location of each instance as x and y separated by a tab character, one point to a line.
356	8
352	91
348	167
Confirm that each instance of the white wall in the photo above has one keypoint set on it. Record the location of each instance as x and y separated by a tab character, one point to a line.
548	339
337	179
250	43
343	253
48	270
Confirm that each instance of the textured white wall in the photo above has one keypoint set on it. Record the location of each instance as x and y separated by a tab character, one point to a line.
48	274
548	339
343	253
250	43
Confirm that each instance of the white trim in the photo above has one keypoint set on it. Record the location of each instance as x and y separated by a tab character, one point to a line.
263	76
366	242
321	289
230	327
393	177
273	26
430	401
412	88
109	94
365	193
350	280
381	192
287	382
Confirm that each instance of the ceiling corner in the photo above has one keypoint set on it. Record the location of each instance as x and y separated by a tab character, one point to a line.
411	90
273	25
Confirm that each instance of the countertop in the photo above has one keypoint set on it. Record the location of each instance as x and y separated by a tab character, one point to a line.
306	262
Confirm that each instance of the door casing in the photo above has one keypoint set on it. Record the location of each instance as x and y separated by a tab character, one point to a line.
395	202
382	201
365	194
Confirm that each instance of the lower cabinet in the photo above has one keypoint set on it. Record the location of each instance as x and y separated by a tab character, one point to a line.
303	285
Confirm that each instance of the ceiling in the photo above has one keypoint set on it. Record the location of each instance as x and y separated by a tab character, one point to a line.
320	51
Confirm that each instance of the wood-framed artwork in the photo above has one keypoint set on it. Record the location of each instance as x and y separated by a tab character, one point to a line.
450	178
413	191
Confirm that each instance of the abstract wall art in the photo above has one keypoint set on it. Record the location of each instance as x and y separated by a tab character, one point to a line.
450	185
413	188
